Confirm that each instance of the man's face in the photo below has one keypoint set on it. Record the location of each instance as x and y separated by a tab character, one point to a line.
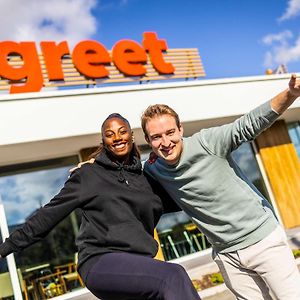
165	138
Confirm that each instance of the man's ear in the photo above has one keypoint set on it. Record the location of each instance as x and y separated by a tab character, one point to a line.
181	129
147	139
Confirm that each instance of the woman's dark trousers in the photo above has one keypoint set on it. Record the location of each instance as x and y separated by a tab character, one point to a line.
125	276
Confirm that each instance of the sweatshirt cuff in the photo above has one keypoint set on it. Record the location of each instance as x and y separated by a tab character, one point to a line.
268	112
5	249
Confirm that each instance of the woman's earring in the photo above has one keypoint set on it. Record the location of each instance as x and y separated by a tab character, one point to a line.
133	139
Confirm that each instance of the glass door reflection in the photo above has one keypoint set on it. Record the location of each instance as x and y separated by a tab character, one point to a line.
25	189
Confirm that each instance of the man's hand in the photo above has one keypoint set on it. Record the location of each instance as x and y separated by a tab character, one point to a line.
91	161
294	86
282	101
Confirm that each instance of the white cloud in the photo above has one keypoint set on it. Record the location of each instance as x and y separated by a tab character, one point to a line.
114	4
24	193
292	10
287	54
281	37
57	20
282	50
283	47
268	60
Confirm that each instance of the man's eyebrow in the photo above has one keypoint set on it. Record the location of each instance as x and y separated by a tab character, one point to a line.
155	134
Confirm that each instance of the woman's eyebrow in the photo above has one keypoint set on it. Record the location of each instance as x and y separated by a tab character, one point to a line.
109	129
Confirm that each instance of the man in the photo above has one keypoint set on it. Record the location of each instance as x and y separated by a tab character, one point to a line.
249	246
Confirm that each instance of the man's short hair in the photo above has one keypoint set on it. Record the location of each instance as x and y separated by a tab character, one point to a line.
157	110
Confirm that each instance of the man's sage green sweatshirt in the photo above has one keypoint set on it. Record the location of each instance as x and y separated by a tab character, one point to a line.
209	186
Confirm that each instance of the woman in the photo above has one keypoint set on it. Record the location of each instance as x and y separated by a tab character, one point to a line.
120	208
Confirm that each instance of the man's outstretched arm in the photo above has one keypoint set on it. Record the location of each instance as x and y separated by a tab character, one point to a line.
282	101
224	139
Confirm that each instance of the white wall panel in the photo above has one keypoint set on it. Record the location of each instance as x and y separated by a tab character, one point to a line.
73	115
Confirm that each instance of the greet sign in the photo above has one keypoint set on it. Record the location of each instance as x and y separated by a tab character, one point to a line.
22	69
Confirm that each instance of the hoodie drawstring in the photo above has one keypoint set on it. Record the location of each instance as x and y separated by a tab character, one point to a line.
121	177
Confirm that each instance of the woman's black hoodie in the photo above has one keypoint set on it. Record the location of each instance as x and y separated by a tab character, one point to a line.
120	208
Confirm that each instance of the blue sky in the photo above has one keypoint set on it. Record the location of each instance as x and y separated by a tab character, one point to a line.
229	34
24	193
234	37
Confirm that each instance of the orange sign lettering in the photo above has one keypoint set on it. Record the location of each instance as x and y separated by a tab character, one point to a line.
90	58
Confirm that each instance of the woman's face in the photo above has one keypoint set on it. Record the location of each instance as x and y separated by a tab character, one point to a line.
117	137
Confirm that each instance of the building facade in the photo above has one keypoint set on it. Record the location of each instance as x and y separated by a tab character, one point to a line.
43	135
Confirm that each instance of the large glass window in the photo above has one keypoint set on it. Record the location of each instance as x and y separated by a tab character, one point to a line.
179	236
6	288
294	132
24	189
245	158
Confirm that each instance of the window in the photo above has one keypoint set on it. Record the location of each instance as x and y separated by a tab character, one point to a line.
245	159
294	132
24	189
6	289
179	236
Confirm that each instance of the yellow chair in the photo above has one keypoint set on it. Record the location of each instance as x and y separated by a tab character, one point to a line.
51	285
71	273
159	255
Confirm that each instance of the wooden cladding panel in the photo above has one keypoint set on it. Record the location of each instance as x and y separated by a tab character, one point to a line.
187	64
274	136
282	166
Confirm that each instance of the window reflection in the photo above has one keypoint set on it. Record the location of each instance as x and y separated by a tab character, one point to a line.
294	132
24	189
245	158
179	236
23	194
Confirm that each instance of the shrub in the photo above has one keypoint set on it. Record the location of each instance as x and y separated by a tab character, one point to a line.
296	253
207	281
217	278
197	284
